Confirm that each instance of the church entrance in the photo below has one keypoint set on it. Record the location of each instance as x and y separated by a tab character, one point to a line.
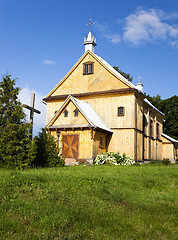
70	144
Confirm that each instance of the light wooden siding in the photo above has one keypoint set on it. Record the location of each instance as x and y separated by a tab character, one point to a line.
146	148
107	108
139	114
139	146
51	108
122	141
61	120
168	151
101	80
96	143
85	142
167	148
159	150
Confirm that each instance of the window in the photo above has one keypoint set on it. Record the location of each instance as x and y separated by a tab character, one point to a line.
101	142
120	111
151	128
76	113
144	124
157	130
66	113
88	68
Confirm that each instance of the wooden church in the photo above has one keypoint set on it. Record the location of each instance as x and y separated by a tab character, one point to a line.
94	109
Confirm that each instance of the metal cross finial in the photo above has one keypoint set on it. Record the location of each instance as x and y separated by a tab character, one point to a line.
90	23
139	78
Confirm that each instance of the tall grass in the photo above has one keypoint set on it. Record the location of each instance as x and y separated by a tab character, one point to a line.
99	202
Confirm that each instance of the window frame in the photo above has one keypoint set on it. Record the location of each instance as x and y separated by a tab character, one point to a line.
119	114
151	128
157	131
101	145
66	112
88	71
76	110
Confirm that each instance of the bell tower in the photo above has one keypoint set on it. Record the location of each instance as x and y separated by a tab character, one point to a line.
90	40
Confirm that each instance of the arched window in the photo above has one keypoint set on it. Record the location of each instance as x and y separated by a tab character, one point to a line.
76	113
120	111
66	113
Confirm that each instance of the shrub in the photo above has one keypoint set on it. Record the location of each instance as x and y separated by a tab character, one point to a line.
47	152
113	158
166	161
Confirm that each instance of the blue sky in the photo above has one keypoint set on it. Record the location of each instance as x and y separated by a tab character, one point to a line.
41	40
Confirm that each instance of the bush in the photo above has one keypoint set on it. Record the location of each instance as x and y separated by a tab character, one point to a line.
136	164
47	152
166	161
113	158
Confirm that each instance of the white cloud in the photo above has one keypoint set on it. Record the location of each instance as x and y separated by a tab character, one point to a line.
174	43
104	29
114	38
48	62
148	26
39	119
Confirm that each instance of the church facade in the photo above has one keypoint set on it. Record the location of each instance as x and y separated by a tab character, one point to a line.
95	110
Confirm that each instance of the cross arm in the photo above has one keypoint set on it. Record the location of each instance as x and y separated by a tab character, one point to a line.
31	109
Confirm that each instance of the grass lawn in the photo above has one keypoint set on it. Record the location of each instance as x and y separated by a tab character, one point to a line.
82	202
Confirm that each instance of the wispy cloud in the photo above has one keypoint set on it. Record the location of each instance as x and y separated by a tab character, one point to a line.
174	44
142	26
104	29
39	119
114	38
148	26
48	62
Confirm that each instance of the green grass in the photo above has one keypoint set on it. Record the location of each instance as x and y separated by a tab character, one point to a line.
82	202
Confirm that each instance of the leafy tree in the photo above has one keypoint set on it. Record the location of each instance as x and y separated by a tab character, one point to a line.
126	75
156	101
15	146
47	151
169	107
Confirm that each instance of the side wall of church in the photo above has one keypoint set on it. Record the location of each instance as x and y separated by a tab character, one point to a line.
128	129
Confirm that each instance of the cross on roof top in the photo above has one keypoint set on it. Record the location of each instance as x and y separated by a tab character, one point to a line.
90	23
139	78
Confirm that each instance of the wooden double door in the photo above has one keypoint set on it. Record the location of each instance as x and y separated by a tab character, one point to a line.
70	145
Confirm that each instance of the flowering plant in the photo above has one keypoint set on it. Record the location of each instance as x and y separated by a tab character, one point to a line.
113	158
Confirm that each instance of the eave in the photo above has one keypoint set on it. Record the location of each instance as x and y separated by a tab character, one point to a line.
76	95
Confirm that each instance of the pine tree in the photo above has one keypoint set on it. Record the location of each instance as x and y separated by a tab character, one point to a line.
126	75
15	146
47	151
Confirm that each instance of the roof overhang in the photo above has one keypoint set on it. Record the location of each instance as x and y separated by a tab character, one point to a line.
114	91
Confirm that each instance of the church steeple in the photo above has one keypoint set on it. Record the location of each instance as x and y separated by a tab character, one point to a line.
90	40
139	85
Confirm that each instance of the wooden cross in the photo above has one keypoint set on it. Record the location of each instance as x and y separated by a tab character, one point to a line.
32	111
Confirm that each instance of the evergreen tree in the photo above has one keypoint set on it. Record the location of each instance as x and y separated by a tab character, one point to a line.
47	151
15	146
126	75
169	107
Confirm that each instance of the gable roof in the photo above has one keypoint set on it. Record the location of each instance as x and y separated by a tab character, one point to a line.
103	63
86	110
107	66
115	72
169	138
